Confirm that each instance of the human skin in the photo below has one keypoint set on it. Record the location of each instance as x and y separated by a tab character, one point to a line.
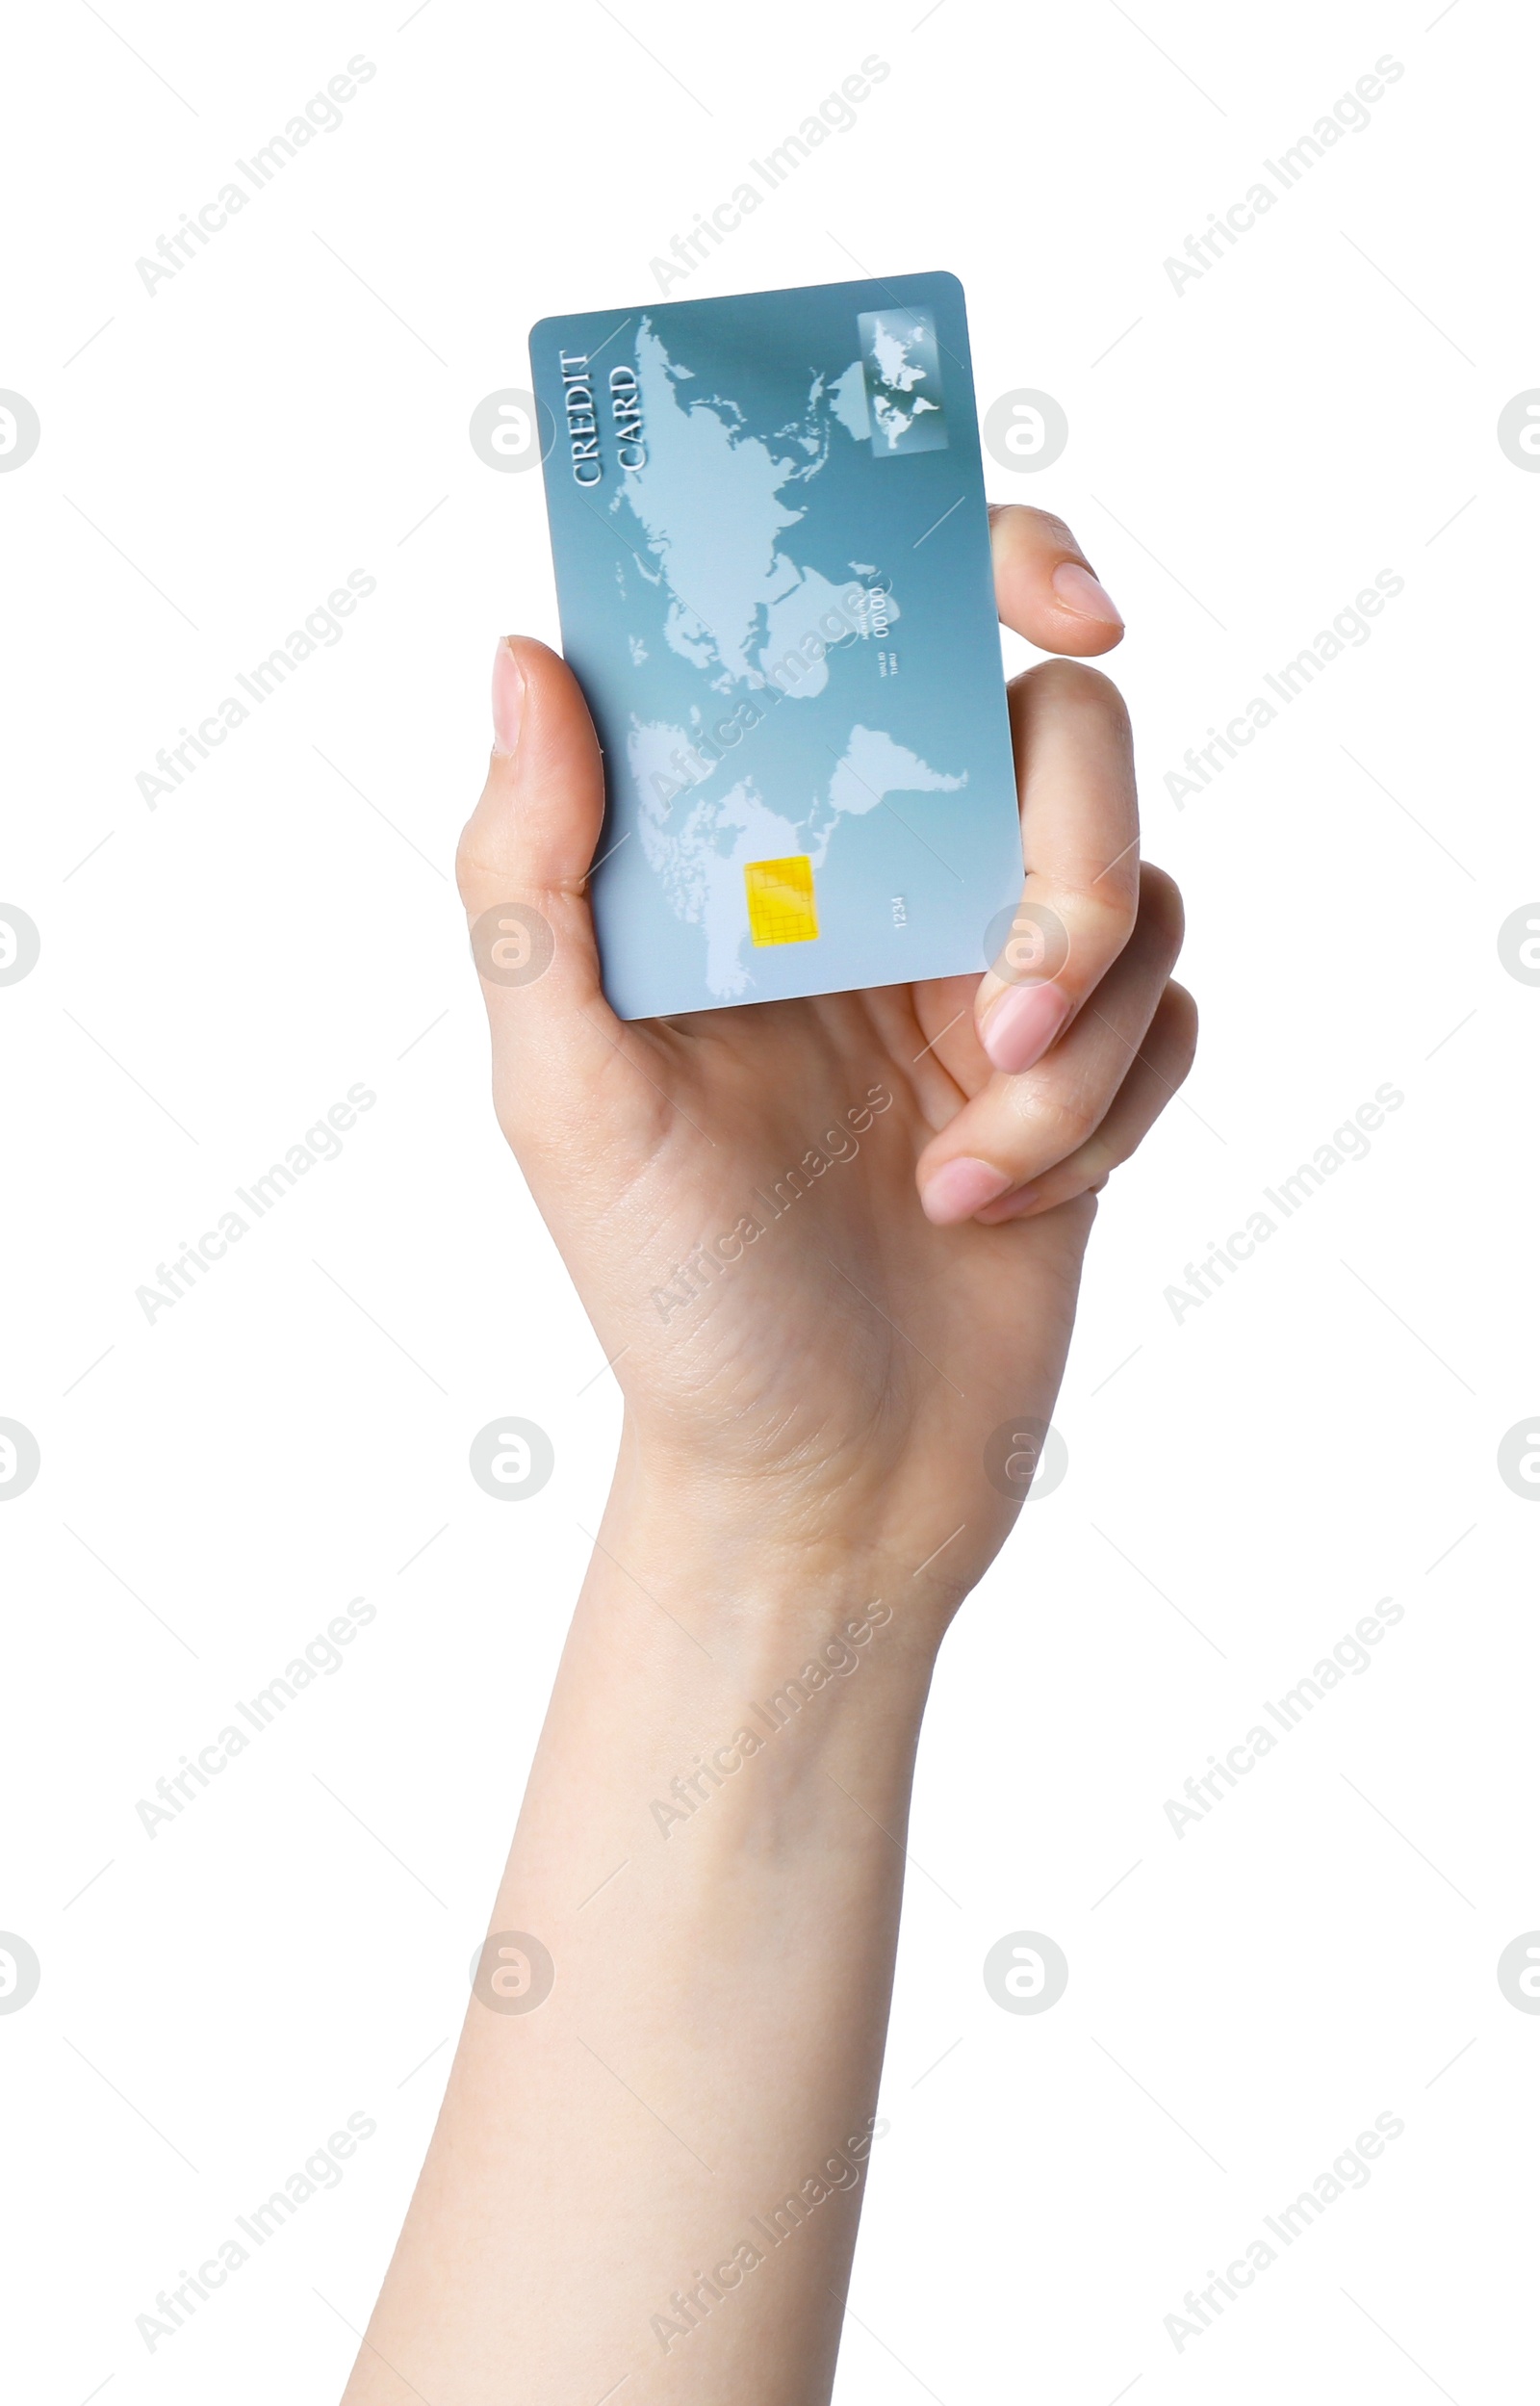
801	1481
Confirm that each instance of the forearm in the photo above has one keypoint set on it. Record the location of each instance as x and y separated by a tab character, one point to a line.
711	1852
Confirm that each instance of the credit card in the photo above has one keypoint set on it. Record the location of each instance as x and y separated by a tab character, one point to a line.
773	568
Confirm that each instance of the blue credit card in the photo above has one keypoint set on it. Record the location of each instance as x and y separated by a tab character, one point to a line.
773	566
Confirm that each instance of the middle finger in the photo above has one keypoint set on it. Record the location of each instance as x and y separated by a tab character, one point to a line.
1019	1126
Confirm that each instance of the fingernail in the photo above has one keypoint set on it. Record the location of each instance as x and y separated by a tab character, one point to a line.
1078	591
1023	1024
508	698
959	1188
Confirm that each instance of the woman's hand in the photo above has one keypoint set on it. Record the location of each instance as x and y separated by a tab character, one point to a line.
831	1246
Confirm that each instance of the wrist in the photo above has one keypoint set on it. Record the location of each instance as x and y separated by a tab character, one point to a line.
709	1665
782	1553
746	1591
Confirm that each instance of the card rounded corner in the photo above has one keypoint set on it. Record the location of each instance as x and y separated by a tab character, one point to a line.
953	283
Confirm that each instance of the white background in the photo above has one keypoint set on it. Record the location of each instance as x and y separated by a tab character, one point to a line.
1245	1482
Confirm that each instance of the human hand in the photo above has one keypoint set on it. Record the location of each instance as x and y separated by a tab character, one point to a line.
812	1367
818	1360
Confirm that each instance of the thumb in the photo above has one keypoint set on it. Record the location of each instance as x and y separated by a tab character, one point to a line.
523	871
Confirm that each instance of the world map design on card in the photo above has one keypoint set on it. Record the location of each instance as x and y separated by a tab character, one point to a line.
771	563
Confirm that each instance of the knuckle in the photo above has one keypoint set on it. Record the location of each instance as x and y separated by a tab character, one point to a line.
1184	1011
481	881
1049	523
1032	521
1056	1118
1181	1016
1097	920
484	884
1161	909
1073	684
466	870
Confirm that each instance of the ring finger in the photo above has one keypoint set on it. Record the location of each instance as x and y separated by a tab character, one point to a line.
1018	1127
1158	1068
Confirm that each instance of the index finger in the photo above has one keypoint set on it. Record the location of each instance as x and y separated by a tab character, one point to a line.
1046	587
1079	837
